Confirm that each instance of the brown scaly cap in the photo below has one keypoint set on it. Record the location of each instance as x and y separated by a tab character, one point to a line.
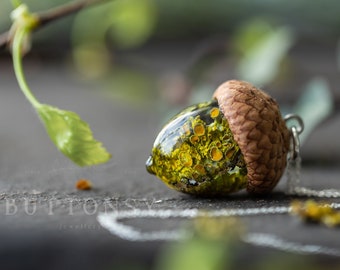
256	123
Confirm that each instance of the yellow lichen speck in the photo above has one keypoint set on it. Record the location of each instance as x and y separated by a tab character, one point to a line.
312	211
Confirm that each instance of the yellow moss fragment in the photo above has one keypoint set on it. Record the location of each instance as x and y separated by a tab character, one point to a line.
84	184
332	220
218	144
199	129
316	212
194	139
214	112
200	169
216	154
185	159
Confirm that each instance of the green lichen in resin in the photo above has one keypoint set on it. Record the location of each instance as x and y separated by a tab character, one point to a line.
196	153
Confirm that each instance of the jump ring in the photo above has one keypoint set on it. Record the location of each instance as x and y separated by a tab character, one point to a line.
300	127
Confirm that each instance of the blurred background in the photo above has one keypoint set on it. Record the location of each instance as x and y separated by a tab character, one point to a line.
163	55
128	65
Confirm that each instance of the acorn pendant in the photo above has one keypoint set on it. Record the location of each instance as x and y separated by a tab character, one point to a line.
238	140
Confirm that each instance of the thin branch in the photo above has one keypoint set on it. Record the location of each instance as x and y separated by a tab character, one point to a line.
52	15
62	11
4	40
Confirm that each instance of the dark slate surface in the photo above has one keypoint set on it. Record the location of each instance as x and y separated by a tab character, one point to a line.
63	231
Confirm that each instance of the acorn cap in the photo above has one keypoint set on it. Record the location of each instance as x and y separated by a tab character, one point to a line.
260	131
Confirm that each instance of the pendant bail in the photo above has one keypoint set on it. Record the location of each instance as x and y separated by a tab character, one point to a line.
295	130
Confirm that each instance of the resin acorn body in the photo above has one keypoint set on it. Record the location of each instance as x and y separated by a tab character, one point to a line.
238	140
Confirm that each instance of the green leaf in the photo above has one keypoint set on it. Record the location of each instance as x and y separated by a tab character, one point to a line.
72	136
263	49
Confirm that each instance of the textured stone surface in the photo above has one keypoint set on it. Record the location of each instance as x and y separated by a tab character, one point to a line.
258	128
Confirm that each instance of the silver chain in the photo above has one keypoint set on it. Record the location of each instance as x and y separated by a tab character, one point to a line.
113	223
294	165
